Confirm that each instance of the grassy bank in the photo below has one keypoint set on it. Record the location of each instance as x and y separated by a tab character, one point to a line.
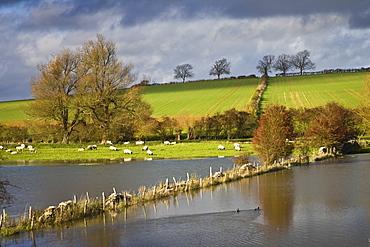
53	152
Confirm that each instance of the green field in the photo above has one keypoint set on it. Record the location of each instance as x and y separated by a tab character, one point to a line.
70	152
316	90
201	98
204	98
13	111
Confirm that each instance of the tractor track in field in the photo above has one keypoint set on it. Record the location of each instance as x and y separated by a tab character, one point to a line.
363	99
213	109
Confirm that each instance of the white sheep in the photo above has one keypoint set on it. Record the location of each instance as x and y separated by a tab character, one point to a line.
220	147
126	143
108	142
8	150
167	143
32	150
127	151
14	152
236	145
113	148
1	147
139	143
173	143
237	148
149	152
81	149
19	148
145	148
91	147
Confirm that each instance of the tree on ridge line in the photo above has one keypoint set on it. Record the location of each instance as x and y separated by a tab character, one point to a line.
220	67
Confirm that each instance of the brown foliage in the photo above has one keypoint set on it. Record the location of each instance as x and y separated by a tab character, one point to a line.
332	126
270	140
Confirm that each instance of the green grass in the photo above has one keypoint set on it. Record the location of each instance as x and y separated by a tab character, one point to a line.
13	111
70	151
316	90
204	98
201	98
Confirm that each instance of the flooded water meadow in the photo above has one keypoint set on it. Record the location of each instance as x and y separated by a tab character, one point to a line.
322	204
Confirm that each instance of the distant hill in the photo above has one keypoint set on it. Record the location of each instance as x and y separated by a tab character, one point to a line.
314	90
202	98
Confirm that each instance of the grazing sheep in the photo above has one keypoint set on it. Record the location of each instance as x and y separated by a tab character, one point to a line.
236	145
145	148
14	152
220	147
29	147
8	150
237	148
139	143
173	143
92	147
1	147
149	152
127	151
19	148
81	149
32	150
167	143
113	148
322	150
108	142
126	143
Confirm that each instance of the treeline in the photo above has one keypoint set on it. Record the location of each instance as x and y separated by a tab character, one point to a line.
231	124
327	71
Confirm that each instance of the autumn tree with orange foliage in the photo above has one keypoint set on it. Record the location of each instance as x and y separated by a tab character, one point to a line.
271	138
333	126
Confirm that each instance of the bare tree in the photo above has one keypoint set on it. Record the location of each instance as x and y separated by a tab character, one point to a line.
220	67
183	71
53	89
302	61
265	64
283	63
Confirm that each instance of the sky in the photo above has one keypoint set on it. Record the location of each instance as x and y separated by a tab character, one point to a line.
157	35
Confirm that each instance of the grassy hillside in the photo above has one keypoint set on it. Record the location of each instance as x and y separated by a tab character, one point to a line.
13	111
204	98
200	98
315	90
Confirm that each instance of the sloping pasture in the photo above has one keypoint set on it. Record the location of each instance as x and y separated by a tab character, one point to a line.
200	98
316	90
13	111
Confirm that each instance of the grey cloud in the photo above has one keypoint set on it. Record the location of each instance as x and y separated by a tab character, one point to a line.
136	12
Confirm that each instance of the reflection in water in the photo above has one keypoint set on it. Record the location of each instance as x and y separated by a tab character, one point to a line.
276	196
323	204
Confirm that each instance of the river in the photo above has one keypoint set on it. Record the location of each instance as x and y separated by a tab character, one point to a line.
322	204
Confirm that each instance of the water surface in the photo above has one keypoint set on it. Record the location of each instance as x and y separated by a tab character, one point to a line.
322	204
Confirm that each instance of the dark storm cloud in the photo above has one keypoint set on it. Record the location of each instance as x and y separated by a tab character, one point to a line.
68	14
156	35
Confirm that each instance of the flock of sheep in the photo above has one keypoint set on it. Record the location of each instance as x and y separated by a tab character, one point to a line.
125	151
18	149
237	147
31	149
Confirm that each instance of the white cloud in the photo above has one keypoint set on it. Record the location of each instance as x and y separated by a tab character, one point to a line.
162	41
